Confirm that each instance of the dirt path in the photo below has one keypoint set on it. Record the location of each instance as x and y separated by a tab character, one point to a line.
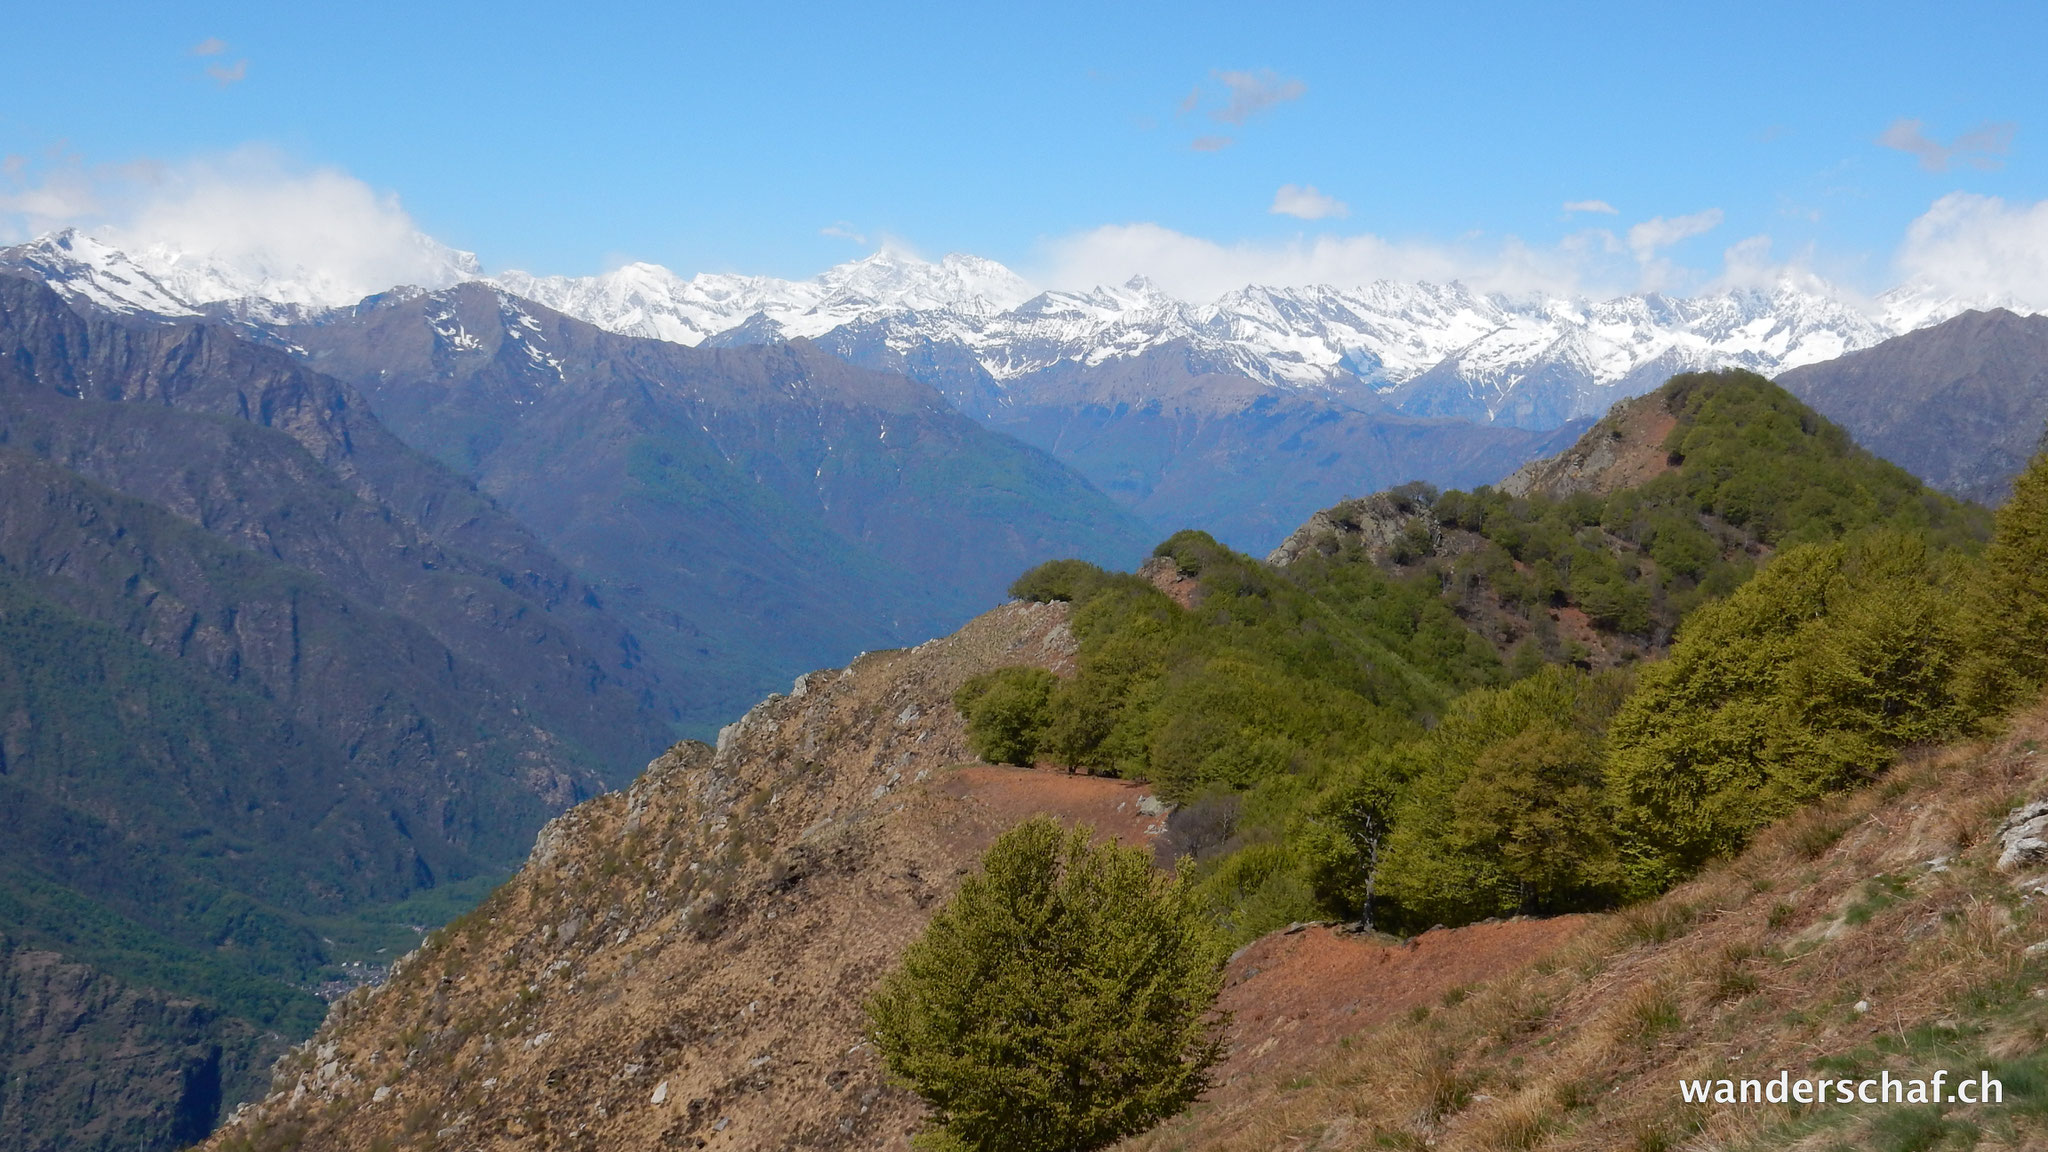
1295	994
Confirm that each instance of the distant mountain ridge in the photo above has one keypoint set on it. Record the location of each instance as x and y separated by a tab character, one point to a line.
1963	404
1429	350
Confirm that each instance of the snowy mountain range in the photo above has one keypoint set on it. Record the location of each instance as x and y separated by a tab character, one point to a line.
1419	349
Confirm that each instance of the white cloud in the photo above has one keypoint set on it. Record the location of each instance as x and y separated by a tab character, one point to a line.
1660	232
1254	92
1979	249
1194	268
1751	263
1980	147
1211	143
211	46
1600	206
226	74
1304	202
843	231
249	211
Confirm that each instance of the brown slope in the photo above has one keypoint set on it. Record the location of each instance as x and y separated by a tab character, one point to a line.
682	964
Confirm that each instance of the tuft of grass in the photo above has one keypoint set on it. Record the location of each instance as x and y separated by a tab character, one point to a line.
1648	1011
1811	833
1879	893
1659	921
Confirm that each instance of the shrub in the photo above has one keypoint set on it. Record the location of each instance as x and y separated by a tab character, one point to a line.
1007	711
1804	681
2009	617
1061	1001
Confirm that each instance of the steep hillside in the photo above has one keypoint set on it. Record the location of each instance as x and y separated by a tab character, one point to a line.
754	511
1893	930
1962	405
683	963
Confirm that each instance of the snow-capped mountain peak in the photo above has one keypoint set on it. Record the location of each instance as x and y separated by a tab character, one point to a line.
649	300
167	279
81	267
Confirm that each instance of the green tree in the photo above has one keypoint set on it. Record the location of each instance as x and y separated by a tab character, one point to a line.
1061	1001
2009	617
1807	679
1007	713
1506	811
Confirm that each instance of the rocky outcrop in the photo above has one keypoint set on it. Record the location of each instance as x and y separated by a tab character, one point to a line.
1381	525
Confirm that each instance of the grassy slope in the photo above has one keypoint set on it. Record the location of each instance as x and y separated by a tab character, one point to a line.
1885	896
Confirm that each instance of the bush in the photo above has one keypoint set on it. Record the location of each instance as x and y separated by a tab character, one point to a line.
1061	580
1804	681
1061	1001
1007	711
2010	612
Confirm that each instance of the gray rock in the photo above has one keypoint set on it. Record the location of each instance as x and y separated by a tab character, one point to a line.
2023	837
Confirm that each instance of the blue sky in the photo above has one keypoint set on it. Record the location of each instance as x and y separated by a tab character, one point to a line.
1068	140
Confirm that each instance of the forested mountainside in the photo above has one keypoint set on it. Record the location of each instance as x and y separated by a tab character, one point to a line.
1891	931
1339	737
265	671
752	511
1323	711
1962	405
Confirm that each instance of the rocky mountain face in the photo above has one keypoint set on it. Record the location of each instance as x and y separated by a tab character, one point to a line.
265	667
93	1062
683	964
751	510
1963	404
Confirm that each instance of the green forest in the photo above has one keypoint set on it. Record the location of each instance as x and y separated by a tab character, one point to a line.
1403	735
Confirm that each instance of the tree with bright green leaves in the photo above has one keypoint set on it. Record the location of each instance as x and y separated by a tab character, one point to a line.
1505	810
2009	615
1007	711
1061	1001
1807	679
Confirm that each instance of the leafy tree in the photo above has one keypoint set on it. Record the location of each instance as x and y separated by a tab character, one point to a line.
1007	713
1061	1001
1505	811
2009	617
1806	680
